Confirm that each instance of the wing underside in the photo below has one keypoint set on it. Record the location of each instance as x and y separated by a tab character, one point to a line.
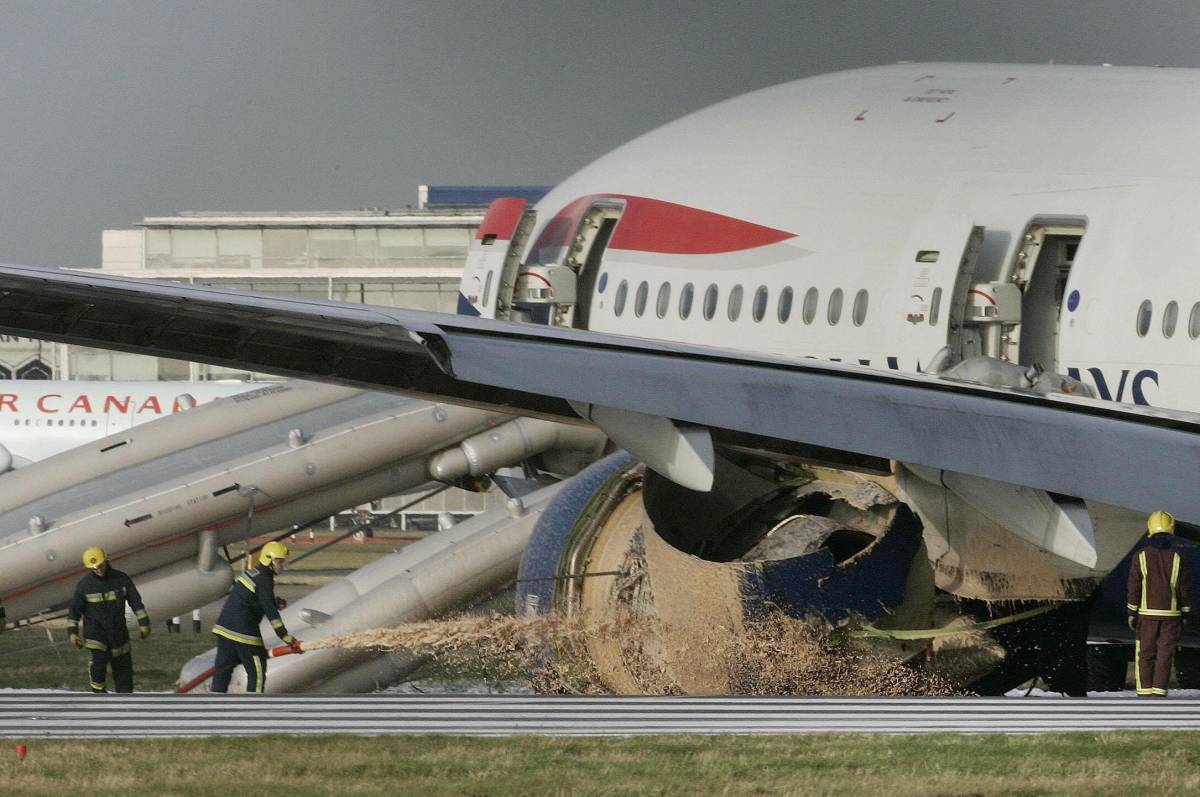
1138	458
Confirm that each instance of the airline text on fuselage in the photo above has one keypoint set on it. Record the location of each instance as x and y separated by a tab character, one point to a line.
55	403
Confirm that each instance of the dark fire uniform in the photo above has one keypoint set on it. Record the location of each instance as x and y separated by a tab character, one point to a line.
1160	596
251	598
100	601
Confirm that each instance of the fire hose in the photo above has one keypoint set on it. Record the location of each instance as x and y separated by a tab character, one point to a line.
280	650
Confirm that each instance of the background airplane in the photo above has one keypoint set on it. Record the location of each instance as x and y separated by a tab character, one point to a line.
39	419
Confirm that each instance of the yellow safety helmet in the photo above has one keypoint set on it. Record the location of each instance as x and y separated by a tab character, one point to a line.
272	551
1160	523
94	557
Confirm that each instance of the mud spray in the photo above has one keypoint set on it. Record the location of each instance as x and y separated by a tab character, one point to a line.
774	655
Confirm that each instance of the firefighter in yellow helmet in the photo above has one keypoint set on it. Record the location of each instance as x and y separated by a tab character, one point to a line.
1159	598
100	598
251	598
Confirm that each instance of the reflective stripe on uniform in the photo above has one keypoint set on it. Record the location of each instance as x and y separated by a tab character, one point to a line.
141	615
1175	582
277	625
97	687
1159	612
260	677
234	636
1142	562
247	582
94	644
121	650
1137	666
101	597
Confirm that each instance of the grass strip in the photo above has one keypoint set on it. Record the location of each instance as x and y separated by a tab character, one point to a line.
1159	763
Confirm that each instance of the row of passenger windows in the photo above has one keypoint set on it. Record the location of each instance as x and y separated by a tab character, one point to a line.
51	422
733	305
1170	319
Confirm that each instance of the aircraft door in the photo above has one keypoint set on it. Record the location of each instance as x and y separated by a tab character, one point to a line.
939	265
1041	270
587	253
490	275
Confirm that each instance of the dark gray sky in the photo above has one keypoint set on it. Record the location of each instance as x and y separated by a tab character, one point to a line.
114	111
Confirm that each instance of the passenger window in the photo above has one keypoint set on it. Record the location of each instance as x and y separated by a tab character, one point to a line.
785	305
664	299
735	303
760	302
809	312
1145	311
685	300
860	308
639	299
1170	318
710	302
619	299
835	307
1194	322
935	307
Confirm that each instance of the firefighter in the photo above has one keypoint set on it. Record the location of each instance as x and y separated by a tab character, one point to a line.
251	598
100	598
1159	598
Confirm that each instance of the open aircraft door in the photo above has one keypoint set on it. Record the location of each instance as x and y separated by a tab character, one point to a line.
490	275
936	276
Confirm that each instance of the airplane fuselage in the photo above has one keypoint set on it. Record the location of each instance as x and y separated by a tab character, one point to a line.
910	217
853	217
39	419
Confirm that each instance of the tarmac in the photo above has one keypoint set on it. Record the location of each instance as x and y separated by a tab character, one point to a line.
45	715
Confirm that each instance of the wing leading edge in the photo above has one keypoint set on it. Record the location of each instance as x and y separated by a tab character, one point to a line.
1139	458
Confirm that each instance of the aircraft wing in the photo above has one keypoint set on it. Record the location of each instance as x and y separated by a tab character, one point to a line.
1137	457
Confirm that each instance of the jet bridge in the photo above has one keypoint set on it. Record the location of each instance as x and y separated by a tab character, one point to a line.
161	498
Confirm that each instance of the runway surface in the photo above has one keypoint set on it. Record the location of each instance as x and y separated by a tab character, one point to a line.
73	715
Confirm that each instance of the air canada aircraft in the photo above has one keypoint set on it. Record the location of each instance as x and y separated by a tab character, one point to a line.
962	287
39	419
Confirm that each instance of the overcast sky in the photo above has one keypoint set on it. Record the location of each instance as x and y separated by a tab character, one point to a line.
110	112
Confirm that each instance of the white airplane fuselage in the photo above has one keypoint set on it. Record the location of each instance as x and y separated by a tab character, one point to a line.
39	419
896	217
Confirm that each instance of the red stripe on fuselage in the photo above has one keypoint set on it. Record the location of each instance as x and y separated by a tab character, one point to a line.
652	225
501	219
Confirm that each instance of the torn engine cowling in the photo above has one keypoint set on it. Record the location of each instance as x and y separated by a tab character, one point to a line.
680	572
